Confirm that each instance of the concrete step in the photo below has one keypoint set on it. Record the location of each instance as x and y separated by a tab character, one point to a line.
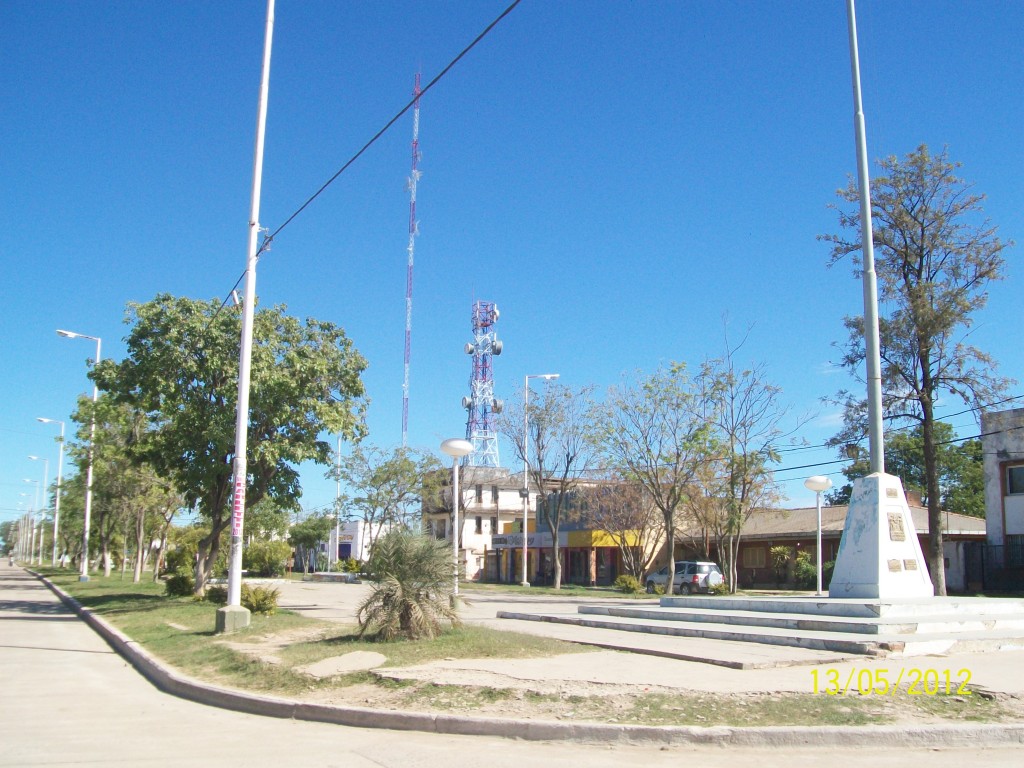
894	608
849	644
889	625
862	643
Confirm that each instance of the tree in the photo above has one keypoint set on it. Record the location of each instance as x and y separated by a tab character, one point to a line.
181	371
959	464
412	597
623	510
745	416
387	488
309	537
558	450
129	500
935	257
655	433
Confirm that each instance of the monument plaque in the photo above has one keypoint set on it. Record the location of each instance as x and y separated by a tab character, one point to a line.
896	530
895	566
910	565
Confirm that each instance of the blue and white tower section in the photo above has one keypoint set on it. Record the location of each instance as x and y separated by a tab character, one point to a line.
481	403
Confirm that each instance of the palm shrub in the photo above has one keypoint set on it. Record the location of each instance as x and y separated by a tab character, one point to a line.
412	596
260	599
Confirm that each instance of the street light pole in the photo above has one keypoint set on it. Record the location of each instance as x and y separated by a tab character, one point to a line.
35	507
46	479
84	576
56	502
526	464
818	483
456	448
234	615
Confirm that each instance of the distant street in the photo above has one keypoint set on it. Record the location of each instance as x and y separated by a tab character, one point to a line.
66	699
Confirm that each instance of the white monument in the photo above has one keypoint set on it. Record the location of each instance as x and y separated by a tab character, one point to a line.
879	555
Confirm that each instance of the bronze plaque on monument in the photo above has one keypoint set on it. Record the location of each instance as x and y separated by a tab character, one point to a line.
895	566
910	565
896	530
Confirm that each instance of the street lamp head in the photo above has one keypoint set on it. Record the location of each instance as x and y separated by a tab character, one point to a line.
73	335
456	447
45	420
817	483
34	458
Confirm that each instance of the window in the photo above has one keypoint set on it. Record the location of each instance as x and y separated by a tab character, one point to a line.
494	494
1015	480
494	525
479	525
754	557
439	526
479	493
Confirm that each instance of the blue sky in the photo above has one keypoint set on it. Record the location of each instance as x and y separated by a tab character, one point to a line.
618	177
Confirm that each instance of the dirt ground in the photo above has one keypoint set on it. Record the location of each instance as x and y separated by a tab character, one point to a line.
464	686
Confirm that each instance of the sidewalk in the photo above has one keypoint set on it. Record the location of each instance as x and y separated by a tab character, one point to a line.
338	602
712	666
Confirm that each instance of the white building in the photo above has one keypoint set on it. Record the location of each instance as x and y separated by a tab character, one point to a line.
1002	444
492	504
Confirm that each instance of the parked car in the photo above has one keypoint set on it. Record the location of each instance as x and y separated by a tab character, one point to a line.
691	577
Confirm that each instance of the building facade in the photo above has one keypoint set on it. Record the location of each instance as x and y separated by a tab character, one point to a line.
1002	444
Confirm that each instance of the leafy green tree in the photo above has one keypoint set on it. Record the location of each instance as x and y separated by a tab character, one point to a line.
961	478
559	453
412	596
266	520
266	558
655	432
131	504
387	488
181	371
935	256
745	414
310	536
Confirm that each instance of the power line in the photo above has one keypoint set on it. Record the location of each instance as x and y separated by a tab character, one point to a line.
268	239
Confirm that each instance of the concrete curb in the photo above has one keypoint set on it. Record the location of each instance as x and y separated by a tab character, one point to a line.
169	681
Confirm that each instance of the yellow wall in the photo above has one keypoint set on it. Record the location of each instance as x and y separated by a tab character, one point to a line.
600	539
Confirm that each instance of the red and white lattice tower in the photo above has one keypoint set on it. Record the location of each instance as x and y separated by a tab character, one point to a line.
414	230
481	403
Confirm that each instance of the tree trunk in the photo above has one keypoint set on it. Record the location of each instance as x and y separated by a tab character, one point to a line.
936	558
556	570
670	581
140	548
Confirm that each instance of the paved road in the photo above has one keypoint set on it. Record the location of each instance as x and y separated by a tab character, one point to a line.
67	700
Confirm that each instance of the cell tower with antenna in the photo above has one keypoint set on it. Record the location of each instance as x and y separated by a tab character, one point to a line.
414	230
481	403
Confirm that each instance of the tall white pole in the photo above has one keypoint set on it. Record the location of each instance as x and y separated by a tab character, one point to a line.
526	464
240	464
818	543
525	582
42	508
456	498
456	448
84	575
337	505
871	335
56	501
87	516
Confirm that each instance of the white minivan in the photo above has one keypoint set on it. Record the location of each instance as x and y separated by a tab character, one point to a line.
691	577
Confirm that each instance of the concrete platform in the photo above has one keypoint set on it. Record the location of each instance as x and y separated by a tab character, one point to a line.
902	627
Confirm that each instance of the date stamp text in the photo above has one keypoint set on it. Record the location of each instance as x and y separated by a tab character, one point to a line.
881	681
